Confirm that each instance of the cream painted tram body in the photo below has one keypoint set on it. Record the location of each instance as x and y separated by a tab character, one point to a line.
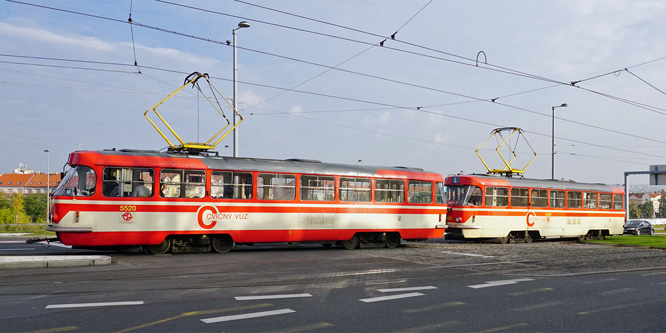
519	209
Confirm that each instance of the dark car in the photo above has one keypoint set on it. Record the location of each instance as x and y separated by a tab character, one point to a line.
638	227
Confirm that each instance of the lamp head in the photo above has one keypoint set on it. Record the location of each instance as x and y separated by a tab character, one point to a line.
243	24
564	105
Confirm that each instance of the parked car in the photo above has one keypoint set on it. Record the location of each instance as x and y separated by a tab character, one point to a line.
638	227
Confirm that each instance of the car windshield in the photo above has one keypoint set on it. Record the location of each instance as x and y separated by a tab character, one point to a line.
633	223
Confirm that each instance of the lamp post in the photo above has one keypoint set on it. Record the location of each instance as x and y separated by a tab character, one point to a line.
552	169
48	184
241	24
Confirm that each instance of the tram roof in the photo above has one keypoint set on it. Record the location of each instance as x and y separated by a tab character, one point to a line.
153	158
490	180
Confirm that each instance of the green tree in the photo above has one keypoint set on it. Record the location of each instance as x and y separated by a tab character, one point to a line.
662	207
646	210
633	210
4	200
17	208
35	207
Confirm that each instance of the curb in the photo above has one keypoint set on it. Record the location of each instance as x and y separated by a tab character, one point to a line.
24	262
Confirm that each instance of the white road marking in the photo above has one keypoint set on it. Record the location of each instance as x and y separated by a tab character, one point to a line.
247	316
251	298
88	305
467	254
388	298
406	289
498	283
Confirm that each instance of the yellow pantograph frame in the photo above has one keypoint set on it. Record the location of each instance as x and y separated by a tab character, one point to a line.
194	145
507	169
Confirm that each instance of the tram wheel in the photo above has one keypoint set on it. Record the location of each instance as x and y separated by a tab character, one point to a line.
222	244
504	240
528	238
582	237
351	243
160	248
392	240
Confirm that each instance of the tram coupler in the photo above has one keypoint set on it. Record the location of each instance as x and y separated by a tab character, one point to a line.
38	240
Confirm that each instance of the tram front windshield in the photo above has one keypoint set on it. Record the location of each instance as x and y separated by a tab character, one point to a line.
464	195
79	181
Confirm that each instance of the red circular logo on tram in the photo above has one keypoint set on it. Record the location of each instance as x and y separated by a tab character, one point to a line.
527	217
127	217
207	217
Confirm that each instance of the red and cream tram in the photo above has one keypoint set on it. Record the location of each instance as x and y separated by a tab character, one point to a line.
174	201
519	209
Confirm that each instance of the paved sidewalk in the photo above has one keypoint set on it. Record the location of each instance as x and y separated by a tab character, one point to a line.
50	261
22	262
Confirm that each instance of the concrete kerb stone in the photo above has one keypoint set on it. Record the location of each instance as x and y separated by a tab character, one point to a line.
23	262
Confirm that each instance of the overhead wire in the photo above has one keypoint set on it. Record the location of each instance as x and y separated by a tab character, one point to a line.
418	109
209	40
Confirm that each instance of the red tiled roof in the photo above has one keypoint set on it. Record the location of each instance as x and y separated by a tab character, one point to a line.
29	180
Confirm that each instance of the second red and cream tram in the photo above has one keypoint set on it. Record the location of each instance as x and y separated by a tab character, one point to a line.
519	209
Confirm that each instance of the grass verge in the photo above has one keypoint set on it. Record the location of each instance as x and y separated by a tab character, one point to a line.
652	241
35	229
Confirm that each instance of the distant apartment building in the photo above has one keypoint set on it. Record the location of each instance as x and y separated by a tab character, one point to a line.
28	183
641	198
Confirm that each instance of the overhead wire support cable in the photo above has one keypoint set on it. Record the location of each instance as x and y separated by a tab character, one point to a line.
307	62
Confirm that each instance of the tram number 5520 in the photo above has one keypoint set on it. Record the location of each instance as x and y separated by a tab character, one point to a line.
127	208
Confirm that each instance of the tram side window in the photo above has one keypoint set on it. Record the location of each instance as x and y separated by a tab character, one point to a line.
539	198
419	191
79	182
319	188
617	201
520	197
557	199
354	189
231	185
439	193
389	190
276	187
590	200
605	200
176	183
497	196
128	182
574	199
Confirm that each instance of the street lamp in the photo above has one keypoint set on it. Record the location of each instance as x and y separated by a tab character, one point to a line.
552	169
48	184
241	24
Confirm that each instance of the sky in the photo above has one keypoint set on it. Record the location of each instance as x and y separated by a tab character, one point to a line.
324	80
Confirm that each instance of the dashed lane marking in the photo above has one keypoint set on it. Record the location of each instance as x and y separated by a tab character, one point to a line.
90	305
247	316
389	290
195	313
434	307
57	329
467	254
539	306
252	298
503	328
306	328
388	298
498	283
617	291
528	292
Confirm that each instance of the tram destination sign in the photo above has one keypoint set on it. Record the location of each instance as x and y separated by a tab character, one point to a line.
658	174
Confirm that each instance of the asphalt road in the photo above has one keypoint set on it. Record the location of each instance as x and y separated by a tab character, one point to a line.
437	286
